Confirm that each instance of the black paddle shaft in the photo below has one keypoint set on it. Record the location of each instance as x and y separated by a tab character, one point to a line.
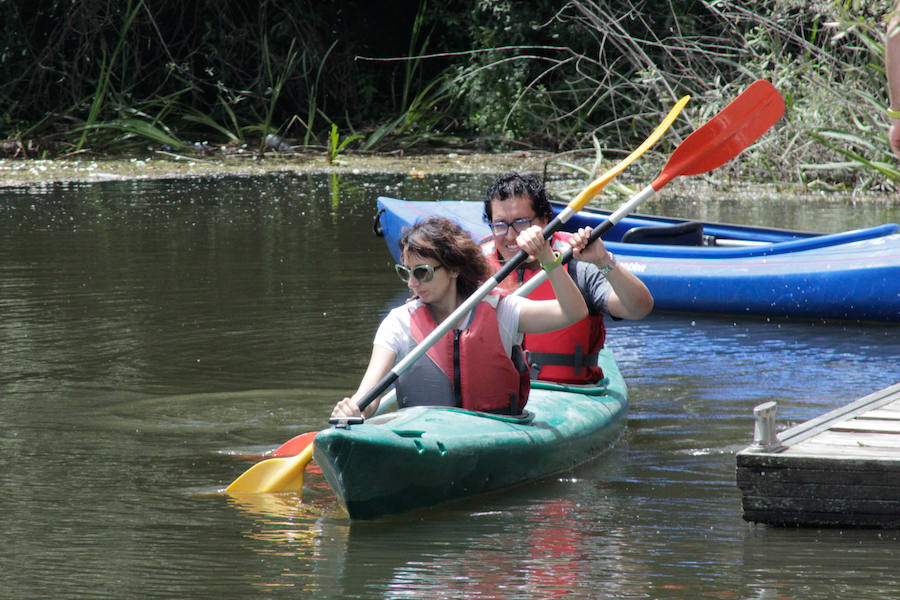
595	235
520	257
389	379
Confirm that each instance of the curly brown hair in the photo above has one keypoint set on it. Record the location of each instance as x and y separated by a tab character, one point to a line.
446	242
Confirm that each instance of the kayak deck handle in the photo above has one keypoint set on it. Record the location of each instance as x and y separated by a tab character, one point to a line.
408	433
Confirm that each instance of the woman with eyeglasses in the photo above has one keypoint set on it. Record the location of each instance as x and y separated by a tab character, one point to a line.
477	365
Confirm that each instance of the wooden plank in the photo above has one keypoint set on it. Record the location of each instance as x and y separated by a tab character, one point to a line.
889	443
823	491
827	519
881	413
831	476
855	437
814	504
880	465
840	454
812	427
868	424
893	407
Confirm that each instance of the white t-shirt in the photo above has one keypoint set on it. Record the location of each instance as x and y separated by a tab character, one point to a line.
394	332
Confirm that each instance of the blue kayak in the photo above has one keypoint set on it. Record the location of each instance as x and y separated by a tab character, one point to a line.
416	458
700	267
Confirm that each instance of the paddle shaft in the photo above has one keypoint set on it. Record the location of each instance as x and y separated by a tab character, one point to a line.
520	257
607	224
286	474
719	140
457	315
710	146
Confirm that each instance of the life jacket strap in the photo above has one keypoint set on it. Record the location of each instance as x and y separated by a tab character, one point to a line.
578	360
457	368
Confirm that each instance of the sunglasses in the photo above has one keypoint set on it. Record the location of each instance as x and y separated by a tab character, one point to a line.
500	228
423	273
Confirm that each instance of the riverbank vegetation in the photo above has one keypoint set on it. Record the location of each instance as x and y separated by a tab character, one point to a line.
585	80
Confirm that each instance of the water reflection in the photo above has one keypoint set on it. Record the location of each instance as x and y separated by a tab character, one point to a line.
463	551
153	333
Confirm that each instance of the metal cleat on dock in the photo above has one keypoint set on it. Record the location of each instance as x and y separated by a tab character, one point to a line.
764	437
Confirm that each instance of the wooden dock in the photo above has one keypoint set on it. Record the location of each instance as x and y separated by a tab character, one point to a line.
841	469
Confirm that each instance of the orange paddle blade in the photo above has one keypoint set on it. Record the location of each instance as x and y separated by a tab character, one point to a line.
293	446
724	136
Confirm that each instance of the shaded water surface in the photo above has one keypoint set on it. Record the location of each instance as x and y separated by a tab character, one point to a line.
150	331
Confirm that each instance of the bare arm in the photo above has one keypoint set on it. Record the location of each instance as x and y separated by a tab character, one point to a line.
536	316
630	298
892	68
380	364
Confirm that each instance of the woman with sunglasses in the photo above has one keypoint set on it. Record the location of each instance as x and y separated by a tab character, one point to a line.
478	365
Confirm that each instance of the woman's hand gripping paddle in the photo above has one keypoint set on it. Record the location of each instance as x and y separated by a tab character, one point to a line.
286	474
716	142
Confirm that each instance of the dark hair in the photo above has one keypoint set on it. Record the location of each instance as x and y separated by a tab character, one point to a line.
445	241
519	184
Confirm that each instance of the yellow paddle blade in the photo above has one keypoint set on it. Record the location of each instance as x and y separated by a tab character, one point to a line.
274	474
598	184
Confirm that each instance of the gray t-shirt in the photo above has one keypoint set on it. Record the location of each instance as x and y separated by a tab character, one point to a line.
594	286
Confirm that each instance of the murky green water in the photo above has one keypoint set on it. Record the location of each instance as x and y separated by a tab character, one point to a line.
149	330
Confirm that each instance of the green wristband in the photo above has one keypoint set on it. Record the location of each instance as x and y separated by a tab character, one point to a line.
555	263
894	114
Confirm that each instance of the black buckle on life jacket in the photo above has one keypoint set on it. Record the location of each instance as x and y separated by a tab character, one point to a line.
534	367
578	360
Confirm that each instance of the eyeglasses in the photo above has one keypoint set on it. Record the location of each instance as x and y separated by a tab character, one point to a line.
423	273
500	228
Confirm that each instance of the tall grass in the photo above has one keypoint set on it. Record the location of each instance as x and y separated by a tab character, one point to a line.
311	107
424	105
107	68
275	85
581	77
636	57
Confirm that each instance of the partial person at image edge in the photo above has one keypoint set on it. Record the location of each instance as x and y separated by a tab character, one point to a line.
892	70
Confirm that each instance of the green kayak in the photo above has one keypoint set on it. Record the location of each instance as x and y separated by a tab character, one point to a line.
418	457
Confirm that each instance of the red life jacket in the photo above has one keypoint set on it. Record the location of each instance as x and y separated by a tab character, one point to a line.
481	376
568	355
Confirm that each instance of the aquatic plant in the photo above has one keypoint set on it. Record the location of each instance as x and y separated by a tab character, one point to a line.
584	76
336	145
